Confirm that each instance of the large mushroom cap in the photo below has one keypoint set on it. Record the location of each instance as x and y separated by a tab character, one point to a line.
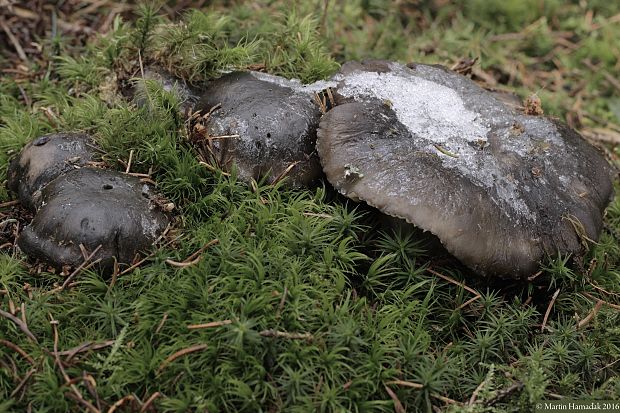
499	188
44	159
275	120
93	207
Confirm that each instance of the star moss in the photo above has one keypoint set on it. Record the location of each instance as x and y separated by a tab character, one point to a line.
305	302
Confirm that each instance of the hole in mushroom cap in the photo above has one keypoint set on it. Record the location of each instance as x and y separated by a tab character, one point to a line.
269	123
121	221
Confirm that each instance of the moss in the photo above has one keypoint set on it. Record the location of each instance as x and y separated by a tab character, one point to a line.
303	263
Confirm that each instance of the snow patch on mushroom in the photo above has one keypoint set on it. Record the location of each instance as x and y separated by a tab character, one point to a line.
437	114
426	108
295	84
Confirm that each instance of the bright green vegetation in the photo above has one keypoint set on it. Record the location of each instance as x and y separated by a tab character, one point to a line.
318	309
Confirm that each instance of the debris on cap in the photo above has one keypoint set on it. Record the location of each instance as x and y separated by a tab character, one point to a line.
92	208
44	159
501	189
264	126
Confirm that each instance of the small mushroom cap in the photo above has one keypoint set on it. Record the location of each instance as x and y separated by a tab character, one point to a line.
93	207
499	188
275	120
44	159
187	95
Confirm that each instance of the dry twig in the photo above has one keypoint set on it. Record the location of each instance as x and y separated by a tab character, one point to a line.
181	353
398	406
209	325
73	387
18	350
544	323
195	257
81	267
284	334
591	314
22	326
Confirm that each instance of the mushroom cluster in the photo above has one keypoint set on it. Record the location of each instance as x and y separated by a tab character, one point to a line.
79	208
499	188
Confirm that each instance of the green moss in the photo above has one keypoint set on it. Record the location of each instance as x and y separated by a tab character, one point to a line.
305	263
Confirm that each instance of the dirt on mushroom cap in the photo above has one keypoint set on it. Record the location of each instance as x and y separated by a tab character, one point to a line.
93	207
267	124
499	188
44	159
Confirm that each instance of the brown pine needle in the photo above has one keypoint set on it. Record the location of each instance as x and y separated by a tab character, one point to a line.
22	326
419	386
18	350
224	137
474	395
444	399
544	323
181	353
607	303
314	214
120	402
212	168
23	382
284	334
195	257
183	264
209	325
406	384
9	204
591	314
285	172
468	302
151	255
80	267
453	281
68	381
149	401
445	151
282	301
161	323
14	41
398	406
129	162
84	347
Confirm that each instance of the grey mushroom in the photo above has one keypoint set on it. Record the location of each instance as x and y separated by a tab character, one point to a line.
264	125
44	159
93	208
499	188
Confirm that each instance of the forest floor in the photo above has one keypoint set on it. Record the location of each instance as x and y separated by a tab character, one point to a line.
300	302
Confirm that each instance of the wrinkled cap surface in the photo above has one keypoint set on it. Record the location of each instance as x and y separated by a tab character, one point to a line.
499	188
275	120
45	158
93	207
